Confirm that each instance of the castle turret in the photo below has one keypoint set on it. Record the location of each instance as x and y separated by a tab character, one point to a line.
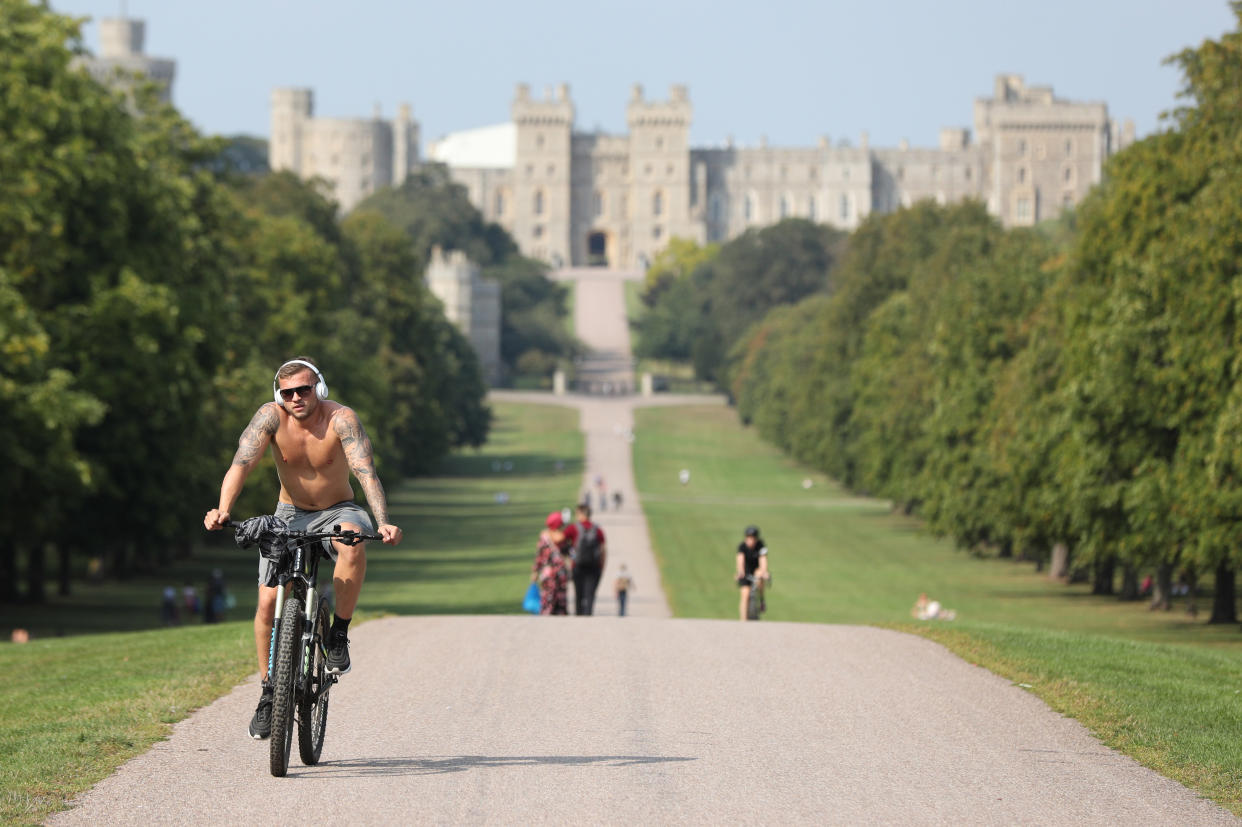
291	109
660	174
121	57
541	185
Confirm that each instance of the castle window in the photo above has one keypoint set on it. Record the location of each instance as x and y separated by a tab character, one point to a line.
539	202
1022	147
1069	148
500	202
659	143
901	173
669	171
845	208
935	172
530	170
784	172
647	170
1021	175
598	203
656	232
966	173
784	207
810	208
715	207
1067	200
551	170
811	173
657	204
1023	209
538	231
750	209
539	141
1069	174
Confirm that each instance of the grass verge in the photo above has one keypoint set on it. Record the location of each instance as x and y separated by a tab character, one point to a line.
1158	686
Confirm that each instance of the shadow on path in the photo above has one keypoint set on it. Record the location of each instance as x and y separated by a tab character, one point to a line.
439	764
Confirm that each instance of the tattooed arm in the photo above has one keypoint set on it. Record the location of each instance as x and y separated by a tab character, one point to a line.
254	441
358	453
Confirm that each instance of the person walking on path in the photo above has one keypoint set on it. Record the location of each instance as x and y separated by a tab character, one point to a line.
590	554
623	585
551	568
316	444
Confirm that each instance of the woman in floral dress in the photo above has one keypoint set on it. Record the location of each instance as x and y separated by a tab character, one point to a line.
552	567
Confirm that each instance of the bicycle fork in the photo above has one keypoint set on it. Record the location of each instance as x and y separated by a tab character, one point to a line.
271	645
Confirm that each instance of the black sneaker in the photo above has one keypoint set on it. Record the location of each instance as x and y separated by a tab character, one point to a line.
261	723
338	654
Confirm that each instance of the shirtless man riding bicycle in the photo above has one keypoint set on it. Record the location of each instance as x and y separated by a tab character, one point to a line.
316	444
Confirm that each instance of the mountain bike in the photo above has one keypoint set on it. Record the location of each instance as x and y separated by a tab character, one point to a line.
297	659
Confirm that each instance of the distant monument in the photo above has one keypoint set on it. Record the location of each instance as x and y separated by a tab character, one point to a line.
121	59
471	302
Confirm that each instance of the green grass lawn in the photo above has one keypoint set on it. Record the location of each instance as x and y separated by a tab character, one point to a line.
1155	685
75	708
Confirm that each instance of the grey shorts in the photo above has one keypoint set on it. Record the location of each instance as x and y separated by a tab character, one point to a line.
301	520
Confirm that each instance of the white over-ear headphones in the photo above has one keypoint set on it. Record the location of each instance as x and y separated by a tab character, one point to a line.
321	387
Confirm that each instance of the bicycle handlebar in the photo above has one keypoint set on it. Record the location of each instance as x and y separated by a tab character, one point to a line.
347	536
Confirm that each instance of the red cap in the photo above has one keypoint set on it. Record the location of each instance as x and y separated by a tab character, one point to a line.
554	520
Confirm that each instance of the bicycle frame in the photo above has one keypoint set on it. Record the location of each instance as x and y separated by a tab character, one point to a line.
304	575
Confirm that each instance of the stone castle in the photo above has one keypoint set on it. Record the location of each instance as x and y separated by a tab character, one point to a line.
573	198
121	59
471	302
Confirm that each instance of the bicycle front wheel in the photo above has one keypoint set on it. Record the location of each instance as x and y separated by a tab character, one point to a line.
284	681
313	704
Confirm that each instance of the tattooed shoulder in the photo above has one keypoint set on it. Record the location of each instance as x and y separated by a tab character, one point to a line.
258	433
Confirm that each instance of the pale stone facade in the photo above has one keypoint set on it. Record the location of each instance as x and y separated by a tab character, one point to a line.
357	156
121	58
471	302
574	198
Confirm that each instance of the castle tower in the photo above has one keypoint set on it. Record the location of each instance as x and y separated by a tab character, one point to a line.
1041	153
661	199
541	177
291	109
404	145
121	42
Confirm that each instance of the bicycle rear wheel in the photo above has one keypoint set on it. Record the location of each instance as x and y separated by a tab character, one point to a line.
284	681
313	704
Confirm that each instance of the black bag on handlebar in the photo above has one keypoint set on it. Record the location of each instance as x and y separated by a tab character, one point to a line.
267	532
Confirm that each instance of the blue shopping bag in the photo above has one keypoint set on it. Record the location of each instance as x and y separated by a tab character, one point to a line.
532	603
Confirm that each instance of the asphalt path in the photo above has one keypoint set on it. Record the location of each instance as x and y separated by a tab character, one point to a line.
646	719
534	720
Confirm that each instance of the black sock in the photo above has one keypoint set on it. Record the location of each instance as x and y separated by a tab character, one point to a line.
340	624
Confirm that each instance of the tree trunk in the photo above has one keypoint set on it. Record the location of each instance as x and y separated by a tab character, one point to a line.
1162	591
63	570
1224	597
1103	573
1060	562
36	573
1129	583
8	574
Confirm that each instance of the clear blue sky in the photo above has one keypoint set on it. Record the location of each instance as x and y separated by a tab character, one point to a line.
787	70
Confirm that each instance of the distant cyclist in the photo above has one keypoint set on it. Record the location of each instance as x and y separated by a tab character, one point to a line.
752	567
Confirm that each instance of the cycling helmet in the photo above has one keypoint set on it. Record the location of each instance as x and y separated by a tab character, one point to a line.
752	531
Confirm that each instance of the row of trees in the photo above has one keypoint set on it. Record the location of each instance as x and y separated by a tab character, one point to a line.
148	291
701	300
1071	391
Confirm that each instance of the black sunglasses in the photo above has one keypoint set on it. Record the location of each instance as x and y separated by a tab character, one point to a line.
300	390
